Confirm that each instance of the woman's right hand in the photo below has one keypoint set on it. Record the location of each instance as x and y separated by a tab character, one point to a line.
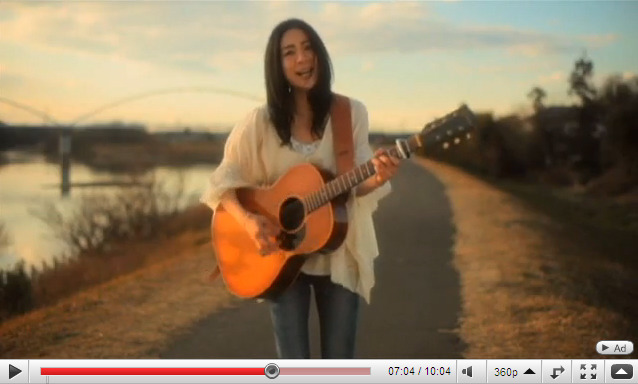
263	232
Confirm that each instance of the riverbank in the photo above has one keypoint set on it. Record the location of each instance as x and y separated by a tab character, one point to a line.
127	317
30	186
529	289
532	285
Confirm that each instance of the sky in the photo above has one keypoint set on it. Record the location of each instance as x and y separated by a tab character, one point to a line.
199	64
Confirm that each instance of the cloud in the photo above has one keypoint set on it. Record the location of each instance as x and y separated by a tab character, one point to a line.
504	67
529	50
210	36
597	41
10	80
554	77
411	27
367	66
191	36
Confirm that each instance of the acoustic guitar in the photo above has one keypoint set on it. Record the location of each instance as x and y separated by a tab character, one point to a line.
309	206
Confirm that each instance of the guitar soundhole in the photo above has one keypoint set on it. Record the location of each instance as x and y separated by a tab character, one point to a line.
292	214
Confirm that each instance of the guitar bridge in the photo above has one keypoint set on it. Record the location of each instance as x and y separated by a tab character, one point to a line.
289	241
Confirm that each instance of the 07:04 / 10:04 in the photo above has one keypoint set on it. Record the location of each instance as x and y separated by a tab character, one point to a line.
428	371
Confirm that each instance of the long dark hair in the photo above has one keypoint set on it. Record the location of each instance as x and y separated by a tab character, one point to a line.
280	100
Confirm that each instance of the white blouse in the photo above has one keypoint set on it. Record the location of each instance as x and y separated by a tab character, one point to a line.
254	157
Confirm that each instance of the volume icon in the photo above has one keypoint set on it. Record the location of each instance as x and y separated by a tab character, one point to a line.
467	371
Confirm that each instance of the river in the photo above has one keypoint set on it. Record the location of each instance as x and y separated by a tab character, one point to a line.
28	181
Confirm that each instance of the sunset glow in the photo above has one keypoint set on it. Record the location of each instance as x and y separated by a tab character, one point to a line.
407	61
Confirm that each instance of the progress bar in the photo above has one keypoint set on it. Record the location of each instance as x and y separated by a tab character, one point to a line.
188	371
326	371
154	371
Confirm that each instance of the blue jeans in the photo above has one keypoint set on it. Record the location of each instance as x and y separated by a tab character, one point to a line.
338	310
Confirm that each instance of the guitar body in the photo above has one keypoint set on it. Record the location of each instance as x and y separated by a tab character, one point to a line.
309	206
249	274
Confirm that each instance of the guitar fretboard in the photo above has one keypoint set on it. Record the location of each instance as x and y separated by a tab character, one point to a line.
351	179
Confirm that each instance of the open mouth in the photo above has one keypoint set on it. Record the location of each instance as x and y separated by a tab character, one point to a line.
306	74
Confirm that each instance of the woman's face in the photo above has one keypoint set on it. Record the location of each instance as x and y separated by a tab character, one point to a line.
299	60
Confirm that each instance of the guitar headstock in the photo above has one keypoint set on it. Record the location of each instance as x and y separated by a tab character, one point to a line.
449	130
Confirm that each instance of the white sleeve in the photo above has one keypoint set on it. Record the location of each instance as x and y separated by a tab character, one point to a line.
240	165
363	153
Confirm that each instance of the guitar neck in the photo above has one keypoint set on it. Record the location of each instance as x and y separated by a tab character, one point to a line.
440	133
356	176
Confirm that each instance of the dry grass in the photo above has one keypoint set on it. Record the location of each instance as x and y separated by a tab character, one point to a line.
528	290
116	255
130	317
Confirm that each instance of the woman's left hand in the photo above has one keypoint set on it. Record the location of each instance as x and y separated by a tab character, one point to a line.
386	166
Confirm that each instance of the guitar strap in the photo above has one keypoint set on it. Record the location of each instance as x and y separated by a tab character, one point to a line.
342	142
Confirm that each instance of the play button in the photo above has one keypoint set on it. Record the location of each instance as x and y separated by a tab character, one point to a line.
604	347
13	371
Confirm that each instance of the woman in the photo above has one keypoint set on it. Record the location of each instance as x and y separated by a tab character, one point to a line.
292	128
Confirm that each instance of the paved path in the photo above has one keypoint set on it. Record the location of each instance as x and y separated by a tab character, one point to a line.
415	303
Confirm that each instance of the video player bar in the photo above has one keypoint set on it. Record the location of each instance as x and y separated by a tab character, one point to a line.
154	371
318	371
188	371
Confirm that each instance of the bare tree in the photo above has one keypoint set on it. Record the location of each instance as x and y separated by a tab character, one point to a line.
618	99
580	80
580	84
537	95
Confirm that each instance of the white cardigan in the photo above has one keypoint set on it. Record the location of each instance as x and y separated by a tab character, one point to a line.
253	156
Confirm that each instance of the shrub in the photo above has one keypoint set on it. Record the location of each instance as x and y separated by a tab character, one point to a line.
16	294
103	235
100	220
